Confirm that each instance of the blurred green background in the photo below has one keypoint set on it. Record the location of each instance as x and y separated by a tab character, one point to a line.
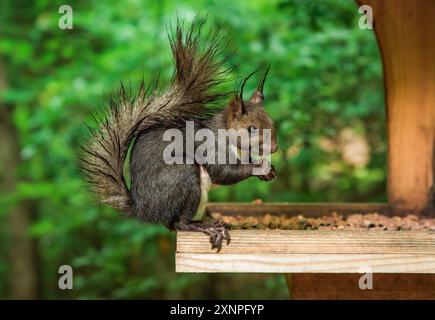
324	92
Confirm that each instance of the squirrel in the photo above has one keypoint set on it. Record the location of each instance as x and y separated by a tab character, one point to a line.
172	194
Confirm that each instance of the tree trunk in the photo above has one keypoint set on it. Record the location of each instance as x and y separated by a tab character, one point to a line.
23	263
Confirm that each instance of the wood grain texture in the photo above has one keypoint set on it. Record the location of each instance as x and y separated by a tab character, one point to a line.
306	263
405	33
328	286
313	242
287	251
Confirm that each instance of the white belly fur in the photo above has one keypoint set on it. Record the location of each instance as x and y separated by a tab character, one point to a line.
205	183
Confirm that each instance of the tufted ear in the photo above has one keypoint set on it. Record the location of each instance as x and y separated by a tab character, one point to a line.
237	109
257	97
242	86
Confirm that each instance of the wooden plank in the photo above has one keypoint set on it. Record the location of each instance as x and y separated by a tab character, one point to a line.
292	209
306	263
315	251
330	286
313	242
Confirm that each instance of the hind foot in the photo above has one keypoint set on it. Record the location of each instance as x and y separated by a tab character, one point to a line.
217	231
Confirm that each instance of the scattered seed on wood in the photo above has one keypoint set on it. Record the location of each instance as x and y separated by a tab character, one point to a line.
370	221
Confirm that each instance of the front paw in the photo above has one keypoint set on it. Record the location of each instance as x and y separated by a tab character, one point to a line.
269	176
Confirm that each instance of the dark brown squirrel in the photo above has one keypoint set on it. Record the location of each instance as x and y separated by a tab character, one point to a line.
171	194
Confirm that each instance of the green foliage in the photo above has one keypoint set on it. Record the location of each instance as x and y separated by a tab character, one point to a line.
324	93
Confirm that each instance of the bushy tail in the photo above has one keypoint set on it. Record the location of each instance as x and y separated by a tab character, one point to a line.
198	69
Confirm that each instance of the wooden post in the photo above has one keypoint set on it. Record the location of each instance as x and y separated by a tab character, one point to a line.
405	34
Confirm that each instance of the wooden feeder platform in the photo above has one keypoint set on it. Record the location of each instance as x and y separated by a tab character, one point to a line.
319	264
308	251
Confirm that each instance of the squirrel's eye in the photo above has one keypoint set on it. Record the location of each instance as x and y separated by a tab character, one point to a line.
251	129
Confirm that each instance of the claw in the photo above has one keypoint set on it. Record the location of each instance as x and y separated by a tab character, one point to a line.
227	236
216	230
